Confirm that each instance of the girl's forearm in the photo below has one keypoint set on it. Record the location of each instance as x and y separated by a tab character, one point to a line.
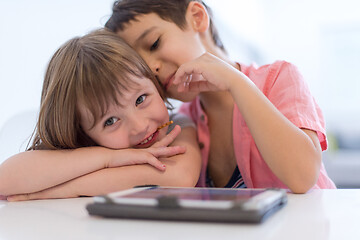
34	171
115	179
178	173
181	170
292	154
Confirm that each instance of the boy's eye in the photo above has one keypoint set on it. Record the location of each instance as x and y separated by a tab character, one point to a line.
140	100
155	45
111	121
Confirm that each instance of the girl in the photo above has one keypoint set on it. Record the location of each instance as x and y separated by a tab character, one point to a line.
98	92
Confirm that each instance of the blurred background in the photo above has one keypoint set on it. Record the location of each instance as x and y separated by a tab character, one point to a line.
322	38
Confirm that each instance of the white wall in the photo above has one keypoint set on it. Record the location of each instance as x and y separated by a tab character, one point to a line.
30	32
321	37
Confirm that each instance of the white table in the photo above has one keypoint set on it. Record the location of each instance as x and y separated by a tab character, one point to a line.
320	214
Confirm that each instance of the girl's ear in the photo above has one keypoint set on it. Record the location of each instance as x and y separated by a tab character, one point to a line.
197	16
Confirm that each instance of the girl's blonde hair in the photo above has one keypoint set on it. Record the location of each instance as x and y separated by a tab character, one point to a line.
91	70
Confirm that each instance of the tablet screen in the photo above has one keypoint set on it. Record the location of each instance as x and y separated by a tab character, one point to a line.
188	197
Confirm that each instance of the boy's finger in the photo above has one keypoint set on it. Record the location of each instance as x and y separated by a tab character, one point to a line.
202	86
182	78
188	72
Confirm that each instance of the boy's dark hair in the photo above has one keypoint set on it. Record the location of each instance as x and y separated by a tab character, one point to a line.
170	10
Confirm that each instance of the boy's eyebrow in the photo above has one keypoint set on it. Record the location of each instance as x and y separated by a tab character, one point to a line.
144	34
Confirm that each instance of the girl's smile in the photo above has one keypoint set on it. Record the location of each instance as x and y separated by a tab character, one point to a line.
134	122
147	142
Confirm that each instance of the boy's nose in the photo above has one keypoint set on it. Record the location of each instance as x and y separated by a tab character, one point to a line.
155	68
154	64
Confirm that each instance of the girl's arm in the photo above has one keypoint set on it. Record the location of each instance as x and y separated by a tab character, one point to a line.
33	171
182	170
293	154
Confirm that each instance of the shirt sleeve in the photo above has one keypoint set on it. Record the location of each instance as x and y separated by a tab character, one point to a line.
288	91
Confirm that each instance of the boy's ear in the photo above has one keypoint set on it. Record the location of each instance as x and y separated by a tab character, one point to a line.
197	16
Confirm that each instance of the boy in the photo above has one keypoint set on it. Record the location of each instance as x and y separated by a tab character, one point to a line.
257	127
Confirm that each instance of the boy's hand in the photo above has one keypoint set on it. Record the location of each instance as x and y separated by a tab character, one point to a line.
151	155
206	73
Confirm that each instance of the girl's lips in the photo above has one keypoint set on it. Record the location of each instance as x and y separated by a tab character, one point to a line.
149	140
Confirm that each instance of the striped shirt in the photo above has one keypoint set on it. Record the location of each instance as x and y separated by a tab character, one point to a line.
236	180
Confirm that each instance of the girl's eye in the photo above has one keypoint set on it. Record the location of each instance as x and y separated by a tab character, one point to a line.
140	100
155	45
111	121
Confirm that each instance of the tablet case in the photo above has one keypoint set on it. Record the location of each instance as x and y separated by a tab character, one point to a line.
169	209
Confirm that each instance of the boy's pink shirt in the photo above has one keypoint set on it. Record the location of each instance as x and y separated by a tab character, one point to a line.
284	86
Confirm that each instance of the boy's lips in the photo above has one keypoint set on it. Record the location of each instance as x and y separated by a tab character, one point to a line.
169	81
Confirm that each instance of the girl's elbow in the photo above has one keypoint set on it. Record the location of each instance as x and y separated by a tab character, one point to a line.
187	180
189	175
4	189
8	185
192	181
3	186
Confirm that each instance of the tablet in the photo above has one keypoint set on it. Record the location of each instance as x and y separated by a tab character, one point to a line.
190	204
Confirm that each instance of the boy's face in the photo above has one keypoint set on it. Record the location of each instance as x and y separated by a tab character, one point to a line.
164	47
134	124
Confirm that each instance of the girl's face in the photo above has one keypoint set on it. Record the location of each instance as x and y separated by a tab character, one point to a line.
164	47
134	124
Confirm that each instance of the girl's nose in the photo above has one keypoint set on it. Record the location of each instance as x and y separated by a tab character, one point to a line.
138	126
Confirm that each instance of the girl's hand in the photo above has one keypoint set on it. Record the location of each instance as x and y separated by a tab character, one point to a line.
206	73
56	192
151	155
25	197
